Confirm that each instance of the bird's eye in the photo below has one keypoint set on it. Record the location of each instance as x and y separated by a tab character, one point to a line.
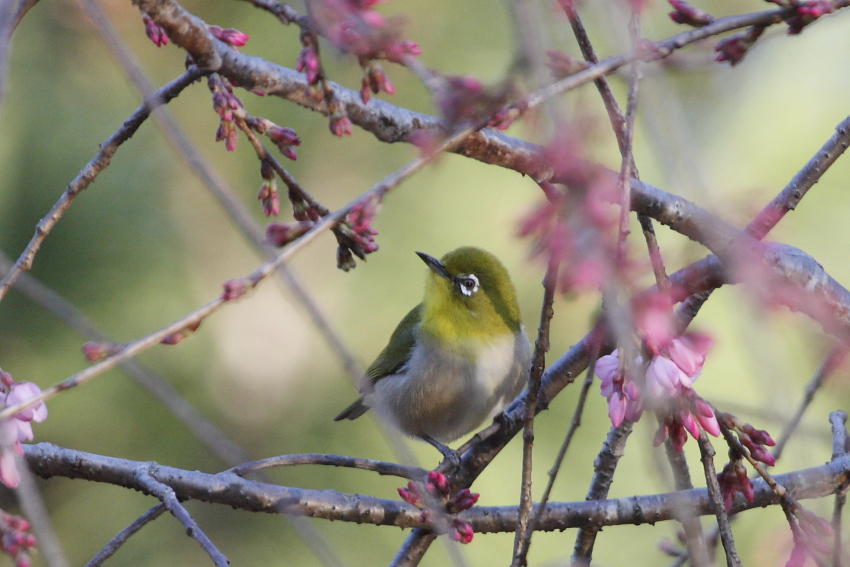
468	284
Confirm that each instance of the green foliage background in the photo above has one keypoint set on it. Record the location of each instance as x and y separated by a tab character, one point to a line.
146	243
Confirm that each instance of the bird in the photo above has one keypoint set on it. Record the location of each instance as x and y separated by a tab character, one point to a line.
456	359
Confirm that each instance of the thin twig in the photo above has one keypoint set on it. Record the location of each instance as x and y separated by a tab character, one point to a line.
604	466
575	422
88	174
707	453
285	13
694	537
116	542
538	364
381	467
32	505
169	499
838	420
210	435
832	361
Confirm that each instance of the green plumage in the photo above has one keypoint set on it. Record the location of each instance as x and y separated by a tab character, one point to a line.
397	352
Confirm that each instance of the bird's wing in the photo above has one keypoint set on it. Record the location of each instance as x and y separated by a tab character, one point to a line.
397	352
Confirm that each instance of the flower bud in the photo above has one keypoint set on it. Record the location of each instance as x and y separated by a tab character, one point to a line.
340	125
154	32
230	36
280	234
684	13
178	336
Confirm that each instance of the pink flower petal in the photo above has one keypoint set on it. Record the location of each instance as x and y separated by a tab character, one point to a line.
663	378
8	432
616	409
8	471
709	424
689	423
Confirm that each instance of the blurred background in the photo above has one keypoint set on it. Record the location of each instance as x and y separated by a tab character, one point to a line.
147	243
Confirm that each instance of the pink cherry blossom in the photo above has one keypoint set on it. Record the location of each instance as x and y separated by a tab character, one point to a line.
8	472
624	401
664	379
21	392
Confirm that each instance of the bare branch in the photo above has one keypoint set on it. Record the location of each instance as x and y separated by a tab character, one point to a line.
115	543
538	364
382	468
826	368
88	174
166	495
32	505
713	486
47	460
695	539
603	475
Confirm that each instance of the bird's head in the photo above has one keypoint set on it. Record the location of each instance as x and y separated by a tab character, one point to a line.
468	294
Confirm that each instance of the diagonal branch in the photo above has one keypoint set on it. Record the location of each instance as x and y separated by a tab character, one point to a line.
88	174
165	494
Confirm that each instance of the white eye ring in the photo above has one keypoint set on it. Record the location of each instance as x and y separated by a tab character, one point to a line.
468	284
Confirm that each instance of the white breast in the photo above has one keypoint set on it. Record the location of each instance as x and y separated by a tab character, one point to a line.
445	394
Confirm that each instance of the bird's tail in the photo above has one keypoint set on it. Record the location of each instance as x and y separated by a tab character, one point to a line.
353	411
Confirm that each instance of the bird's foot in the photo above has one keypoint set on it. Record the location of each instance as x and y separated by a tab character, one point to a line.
451	462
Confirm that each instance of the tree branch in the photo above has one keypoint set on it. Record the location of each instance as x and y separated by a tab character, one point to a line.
228	489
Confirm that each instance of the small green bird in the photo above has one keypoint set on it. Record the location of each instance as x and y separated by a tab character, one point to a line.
457	359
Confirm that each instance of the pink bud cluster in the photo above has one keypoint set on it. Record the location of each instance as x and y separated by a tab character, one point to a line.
686	413
177	336
232	37
464	99
224	103
734	47
807	12
284	138
374	81
733	478
755	440
340	124
434	497
15	538
308	63
356	236
352	26
154	32
17	428
268	195
684	13
812	537
576	229
360	220
301	209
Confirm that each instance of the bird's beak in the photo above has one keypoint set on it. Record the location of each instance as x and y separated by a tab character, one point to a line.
436	266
